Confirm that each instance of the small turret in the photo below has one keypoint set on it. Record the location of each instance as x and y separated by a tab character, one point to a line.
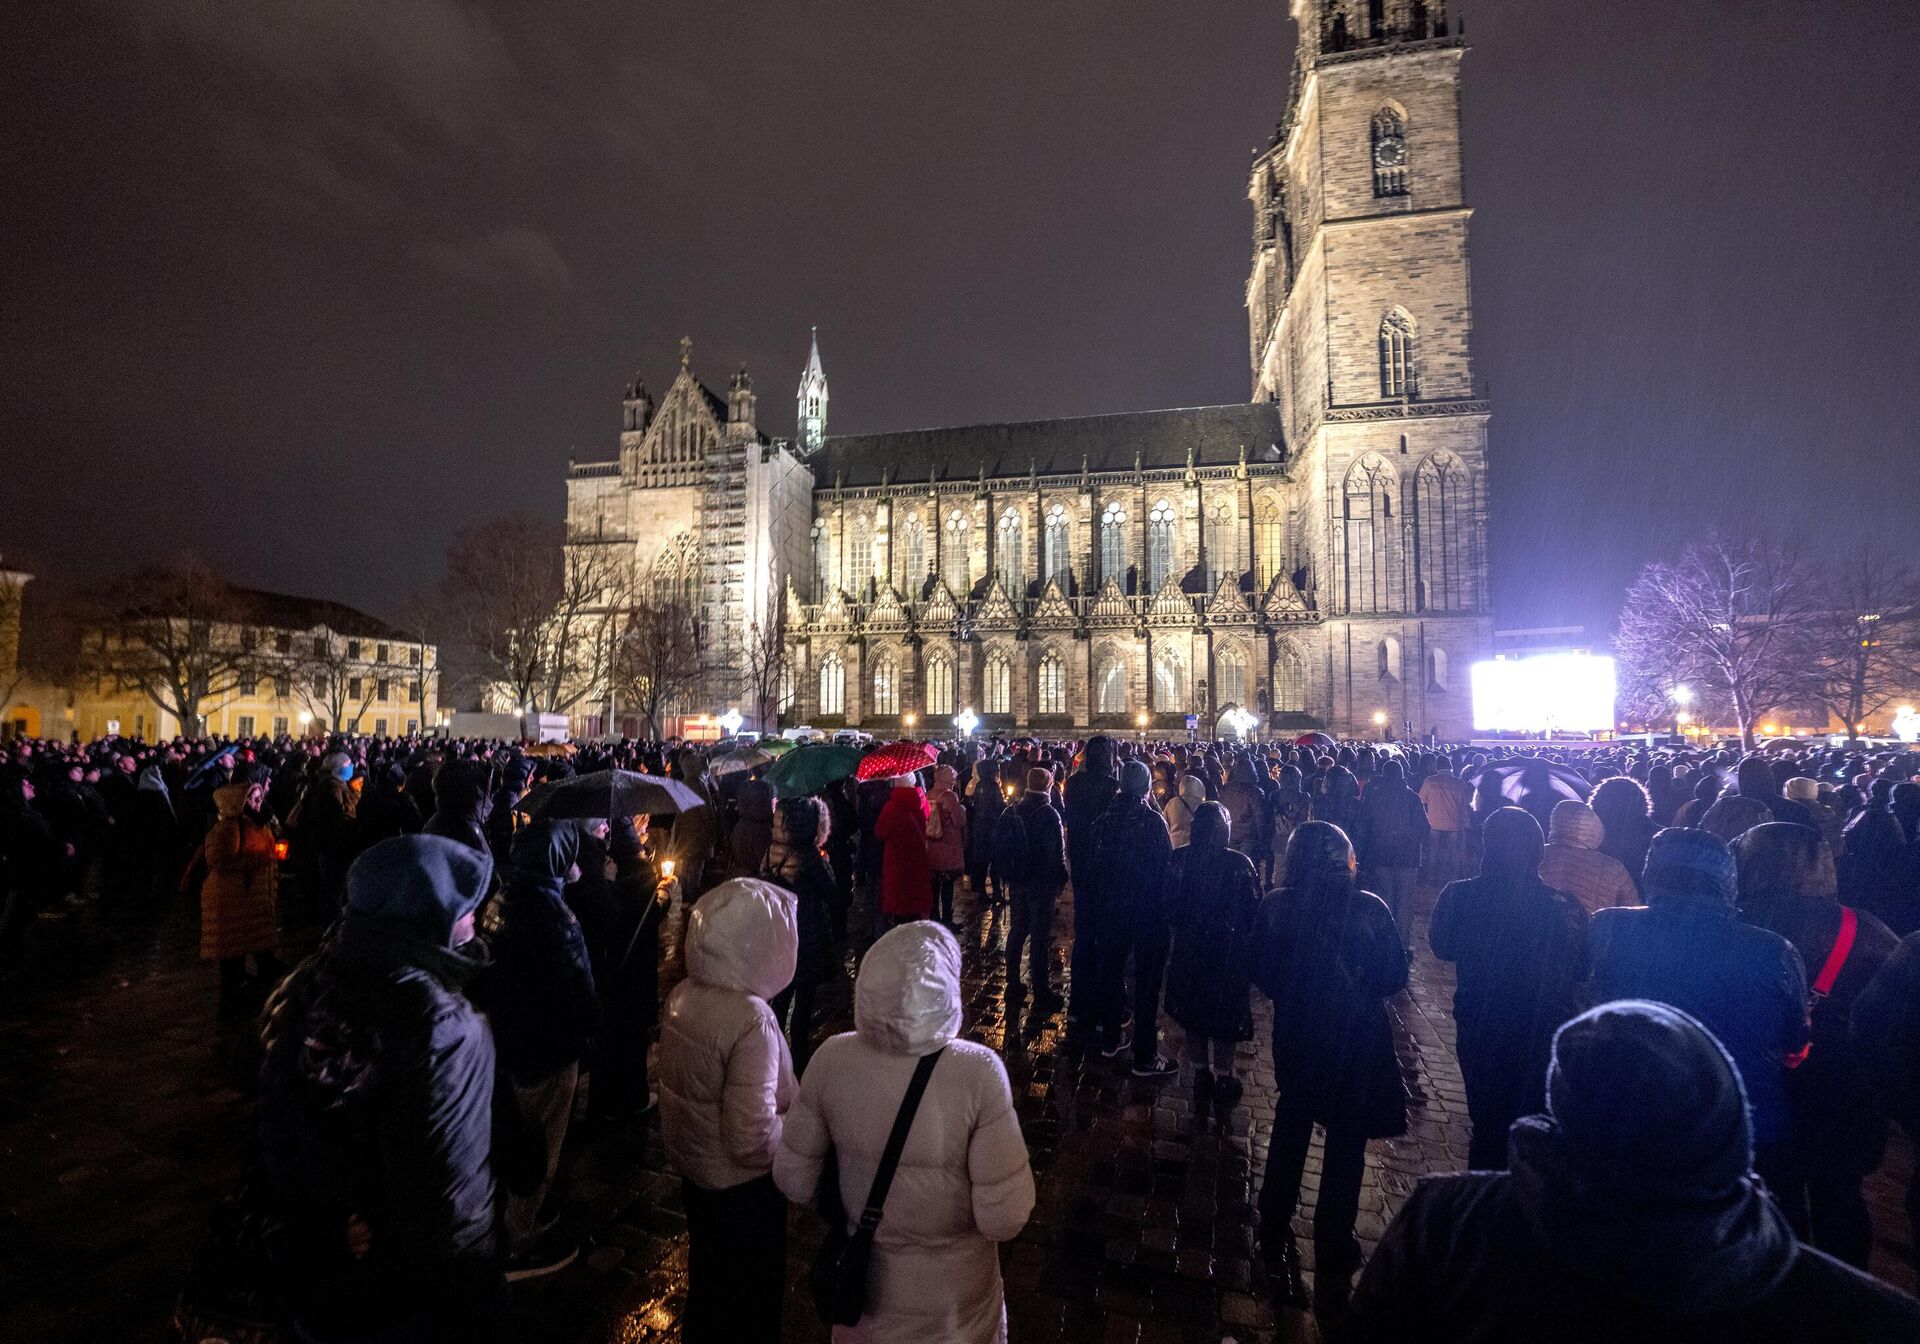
740	400
812	427
637	406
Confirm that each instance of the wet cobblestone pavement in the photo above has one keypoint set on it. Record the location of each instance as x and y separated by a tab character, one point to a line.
123	1104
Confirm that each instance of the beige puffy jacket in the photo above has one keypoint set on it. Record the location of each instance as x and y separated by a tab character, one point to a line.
726	1079
1180	809
963	1182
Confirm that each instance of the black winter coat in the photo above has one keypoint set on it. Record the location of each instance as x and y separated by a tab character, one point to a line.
1046	865
1131	850
1390	827
1087	797
1885	1031
1210	905
1329	957
540	992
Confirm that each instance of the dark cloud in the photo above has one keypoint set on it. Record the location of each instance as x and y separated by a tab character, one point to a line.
505	256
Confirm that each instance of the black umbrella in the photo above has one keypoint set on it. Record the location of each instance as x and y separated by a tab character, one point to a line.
207	770
609	794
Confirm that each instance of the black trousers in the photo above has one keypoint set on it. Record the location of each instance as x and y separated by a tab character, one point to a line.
736	1262
1030	925
1343	1165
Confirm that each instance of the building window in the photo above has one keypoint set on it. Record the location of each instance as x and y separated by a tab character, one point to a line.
413	693
353	649
1052	687
1442	536
1389	153
1222	558
939	684
860	561
886	687
997	693
1111	687
1388	655
787	688
953	558
822	555
319	646
916	548
1268	537
243	726
280	725
379	727
413	726
1057	551
353	688
1007	545
382	654
1398	376
413	657
833	685
1169	683
1230	678
1437	670
383	689
1365	528
1159	545
283	644
1113	544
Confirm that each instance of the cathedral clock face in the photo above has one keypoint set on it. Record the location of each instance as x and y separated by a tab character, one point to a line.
1390	151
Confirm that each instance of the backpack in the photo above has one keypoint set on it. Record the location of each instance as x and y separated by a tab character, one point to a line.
1010	852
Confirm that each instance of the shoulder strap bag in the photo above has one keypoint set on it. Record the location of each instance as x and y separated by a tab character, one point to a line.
839	1274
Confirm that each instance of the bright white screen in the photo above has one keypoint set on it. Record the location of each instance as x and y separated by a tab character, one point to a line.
1565	692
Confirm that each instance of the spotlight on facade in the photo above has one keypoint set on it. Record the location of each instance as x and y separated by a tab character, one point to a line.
730	722
967	722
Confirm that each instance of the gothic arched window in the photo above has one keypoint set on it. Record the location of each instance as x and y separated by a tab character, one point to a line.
1230	678
788	690
1437	670
1268	538
1051	687
1113	543
1007	553
1159	545
997	692
1169	682
915	537
886	687
822	558
1399	374
939	684
1055	559
953	555
1366	531
1289	680
1110	687
1389	153
833	685
1222	557
1442	512
860	560
1388	653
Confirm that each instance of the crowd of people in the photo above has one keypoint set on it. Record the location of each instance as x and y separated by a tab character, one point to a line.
1687	1006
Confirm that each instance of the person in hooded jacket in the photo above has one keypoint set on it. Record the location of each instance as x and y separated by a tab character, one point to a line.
1031	853
541	997
152	837
1885	1034
1757	781
1839	1126
906	875
1127	872
1087	794
1292	809
947	851
753	829
1391	831
796	860
1189	793
1687	947
1520	954
726	1083
1631	1212
1626	819
1210	904
1573	862
1329	956
325	828
1247	812
1878	872
377	1111
385	810
239	900
985	803
462	804
964	1182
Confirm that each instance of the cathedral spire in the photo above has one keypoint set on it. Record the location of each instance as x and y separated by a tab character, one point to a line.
812	401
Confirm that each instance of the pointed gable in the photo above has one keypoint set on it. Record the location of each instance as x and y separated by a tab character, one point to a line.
1283	601
1110	605
1054	611
886	613
1227	606
996	609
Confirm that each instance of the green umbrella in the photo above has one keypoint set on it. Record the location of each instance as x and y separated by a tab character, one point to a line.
809	769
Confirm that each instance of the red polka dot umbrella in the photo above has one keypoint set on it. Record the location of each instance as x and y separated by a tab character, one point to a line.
896	758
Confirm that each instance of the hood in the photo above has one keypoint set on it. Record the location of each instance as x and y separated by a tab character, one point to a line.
1096	758
945	777
1512	844
1575	825
906	1000
230	800
1192	791
546	851
744	936
420	883
1784	861
1639	1177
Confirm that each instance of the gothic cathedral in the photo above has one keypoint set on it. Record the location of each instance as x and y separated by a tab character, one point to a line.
1316	556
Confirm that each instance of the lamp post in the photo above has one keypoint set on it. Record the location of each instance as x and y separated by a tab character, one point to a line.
907	721
1380	722
1682	697
306	721
1140	723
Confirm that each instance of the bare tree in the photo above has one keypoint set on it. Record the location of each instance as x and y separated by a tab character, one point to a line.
1732	618
763	658
176	634
12	665
596	583
502	580
1865	633
657	662
339	678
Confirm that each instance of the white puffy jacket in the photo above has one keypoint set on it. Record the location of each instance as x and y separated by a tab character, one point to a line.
963	1182
725	1076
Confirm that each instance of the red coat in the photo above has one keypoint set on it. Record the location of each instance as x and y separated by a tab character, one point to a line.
906	876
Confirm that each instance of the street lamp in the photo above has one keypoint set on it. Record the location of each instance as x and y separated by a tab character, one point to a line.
1380	722
967	722
1140	723
306	720
908	719
1682	697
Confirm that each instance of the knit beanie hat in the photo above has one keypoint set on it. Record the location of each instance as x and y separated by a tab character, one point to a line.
1038	780
1685	863
1135	779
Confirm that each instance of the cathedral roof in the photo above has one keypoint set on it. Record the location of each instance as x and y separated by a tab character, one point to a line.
1209	436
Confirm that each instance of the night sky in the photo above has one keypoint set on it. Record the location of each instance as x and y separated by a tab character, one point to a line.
303	286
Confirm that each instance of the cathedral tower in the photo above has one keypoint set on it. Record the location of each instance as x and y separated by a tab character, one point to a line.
812	430
1360	324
